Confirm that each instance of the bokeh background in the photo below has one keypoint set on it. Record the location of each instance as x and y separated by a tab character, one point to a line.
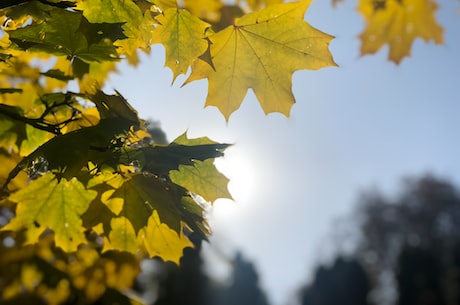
298	182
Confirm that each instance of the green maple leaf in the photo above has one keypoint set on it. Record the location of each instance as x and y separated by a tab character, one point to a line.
143	194
61	35
70	152
35	9
69	33
161	160
12	133
54	204
203	179
182	35
136	26
261	51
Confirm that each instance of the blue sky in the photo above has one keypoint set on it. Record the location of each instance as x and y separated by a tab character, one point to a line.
367	123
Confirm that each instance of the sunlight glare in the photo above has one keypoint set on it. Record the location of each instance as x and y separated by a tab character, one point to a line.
240	169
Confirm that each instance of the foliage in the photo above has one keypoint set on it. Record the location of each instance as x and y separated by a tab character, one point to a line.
398	23
86	191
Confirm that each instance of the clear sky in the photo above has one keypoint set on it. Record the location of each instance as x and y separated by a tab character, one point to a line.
367	123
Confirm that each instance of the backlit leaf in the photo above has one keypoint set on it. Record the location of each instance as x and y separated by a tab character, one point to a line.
57	205
122	236
261	51
205	9
398	24
136	25
162	241
67	33
8	162
182	35
143	194
258	4
164	4
202	178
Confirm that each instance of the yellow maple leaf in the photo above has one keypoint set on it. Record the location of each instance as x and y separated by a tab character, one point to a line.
205	9
261	51
164	4
398	23
57	205
122	236
258	4
160	240
182	35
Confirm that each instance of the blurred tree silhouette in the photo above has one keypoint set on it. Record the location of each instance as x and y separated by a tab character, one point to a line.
185	283
188	284
408	251
419	277
411	242
345	283
244	287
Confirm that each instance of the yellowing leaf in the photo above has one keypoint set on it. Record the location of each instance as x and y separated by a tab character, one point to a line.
8	162
122	236
57	205
261	51
137	26
95	78
205	9
258	4
182	35
56	295
162	241
35	138
203	179
30	277
184	140
164	4
398	24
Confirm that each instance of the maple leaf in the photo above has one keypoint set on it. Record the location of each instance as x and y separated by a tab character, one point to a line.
142	194
258	4
164	4
122	236
205	9
8	162
398	24
68	33
70	152
182	35
55	204
202	178
160	240
12	133
136	25
261	51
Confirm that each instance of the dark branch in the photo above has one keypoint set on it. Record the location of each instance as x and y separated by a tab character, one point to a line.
13	113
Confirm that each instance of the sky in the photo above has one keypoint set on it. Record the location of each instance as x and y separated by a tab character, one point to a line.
365	124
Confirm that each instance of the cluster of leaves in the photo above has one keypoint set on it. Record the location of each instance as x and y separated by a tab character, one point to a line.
398	23
86	192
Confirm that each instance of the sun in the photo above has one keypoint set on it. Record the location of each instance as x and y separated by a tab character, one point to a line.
240	169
